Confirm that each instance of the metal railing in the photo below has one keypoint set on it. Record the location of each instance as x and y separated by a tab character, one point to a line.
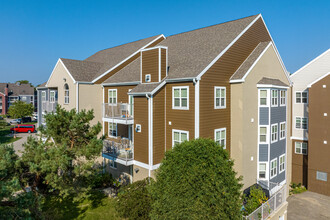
123	111
47	106
123	149
270	206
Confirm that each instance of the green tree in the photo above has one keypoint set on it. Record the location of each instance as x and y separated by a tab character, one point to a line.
20	109
196	180
255	199
24	82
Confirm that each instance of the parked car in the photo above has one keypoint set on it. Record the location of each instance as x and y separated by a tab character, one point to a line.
23	129
16	121
26	119
35	118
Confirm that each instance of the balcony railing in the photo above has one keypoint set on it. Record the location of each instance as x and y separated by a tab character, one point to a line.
119	111
270	206
123	150
47	106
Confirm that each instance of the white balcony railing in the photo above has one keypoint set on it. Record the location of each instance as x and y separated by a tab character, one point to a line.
123	150
120	111
47	106
270	206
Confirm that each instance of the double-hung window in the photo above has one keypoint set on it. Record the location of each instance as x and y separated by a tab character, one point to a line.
262	170
282	97
273	168
282	163
220	137
112	96
179	136
274	97
301	148
301	123
112	129
43	96
66	94
180	98
282	130
52	96
219	97
263	97
274	132
262	134
301	97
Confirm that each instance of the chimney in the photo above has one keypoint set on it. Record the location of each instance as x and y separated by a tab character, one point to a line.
154	64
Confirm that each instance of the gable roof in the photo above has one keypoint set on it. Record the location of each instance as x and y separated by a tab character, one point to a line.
17	90
270	81
144	88
130	73
250	61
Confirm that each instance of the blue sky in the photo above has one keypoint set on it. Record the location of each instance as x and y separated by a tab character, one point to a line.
34	34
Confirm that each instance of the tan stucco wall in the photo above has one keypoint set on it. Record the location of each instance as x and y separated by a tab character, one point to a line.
56	80
90	97
244	110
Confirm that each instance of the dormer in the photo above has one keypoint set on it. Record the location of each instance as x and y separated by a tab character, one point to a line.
153	64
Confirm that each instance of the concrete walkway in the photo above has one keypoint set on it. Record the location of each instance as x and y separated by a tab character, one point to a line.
309	205
18	145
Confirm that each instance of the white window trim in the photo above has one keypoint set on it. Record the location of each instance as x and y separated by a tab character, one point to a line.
180	131
267	171
215	97
301	92
271	93
301	127
50	92
282	97
66	98
180	87
271	133
279	164
301	151
267	134
270	168
110	135
281	138
219	130
43	93
112	97
267	98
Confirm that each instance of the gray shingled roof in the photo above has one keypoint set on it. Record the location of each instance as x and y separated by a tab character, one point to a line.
189	53
270	81
130	73
16	90
144	88
250	60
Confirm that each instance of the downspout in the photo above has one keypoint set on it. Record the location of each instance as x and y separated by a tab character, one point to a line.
149	97
196	83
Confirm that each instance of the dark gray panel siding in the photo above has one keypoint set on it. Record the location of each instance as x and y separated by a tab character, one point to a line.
263	115
278	114
263	152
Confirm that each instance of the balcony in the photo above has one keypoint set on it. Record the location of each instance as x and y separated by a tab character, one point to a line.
122	151
121	113
47	106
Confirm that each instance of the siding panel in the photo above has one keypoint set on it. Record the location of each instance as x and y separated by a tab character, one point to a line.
264	116
263	152
159	126
150	64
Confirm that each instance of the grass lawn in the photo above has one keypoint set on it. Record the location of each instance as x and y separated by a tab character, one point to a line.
97	207
5	139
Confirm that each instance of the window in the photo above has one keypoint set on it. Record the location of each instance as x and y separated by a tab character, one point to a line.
274	132
273	168
262	170
301	123
31	98
321	176
219	97
301	97
282	97
112	96
220	137
180	98
52	96
148	78
180	136
43	96
24	98
113	164
263	97
112	129
66	94
263	134
301	148
282	130
274	97
282	163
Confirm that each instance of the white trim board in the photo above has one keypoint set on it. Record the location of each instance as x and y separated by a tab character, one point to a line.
315	81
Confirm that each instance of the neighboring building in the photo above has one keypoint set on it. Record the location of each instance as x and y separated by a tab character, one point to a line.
47	101
311	125
11	92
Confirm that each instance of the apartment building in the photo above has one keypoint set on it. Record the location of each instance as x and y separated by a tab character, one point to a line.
12	92
311	125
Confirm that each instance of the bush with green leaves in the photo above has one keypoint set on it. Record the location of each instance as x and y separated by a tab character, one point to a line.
134	200
196	180
255	199
297	188
101	180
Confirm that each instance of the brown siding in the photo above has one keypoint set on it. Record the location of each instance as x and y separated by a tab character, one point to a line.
150	64
299	166
319	131
122	91
159	126
163	63
141	138
219	75
180	119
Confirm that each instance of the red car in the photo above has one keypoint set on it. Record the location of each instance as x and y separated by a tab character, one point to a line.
23	129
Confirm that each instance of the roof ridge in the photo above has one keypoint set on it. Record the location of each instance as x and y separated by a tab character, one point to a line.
81	60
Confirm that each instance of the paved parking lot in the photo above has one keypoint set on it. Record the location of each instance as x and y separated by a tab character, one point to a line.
308	205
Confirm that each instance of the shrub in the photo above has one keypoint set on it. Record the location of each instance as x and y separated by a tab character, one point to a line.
134	200
196	181
297	188
102	180
255	199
